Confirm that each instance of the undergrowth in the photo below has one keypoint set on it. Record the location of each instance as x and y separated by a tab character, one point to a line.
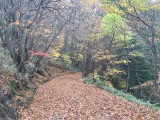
128	96
67	66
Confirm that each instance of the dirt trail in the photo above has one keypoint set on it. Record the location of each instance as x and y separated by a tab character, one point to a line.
68	98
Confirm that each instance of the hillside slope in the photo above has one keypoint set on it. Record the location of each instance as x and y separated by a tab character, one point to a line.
68	98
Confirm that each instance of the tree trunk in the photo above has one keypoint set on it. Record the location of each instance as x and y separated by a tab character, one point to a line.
154	53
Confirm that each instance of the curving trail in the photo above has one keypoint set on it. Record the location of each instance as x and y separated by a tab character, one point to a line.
68	98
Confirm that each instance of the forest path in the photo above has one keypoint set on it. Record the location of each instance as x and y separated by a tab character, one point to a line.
68	98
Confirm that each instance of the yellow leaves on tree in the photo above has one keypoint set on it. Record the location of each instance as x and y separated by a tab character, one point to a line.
17	22
30	22
56	56
127	6
66	58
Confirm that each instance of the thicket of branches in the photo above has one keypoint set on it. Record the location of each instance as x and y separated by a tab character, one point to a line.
31	25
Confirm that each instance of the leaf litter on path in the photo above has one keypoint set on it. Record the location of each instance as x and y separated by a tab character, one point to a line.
68	98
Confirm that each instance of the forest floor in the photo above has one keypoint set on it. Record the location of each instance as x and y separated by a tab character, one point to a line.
68	98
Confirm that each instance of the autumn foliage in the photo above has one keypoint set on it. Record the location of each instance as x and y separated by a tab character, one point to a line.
37	53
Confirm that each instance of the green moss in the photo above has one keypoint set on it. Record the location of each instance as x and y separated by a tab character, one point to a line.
87	81
131	98
100	84
127	96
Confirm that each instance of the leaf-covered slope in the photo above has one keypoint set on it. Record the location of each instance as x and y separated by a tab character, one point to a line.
67	97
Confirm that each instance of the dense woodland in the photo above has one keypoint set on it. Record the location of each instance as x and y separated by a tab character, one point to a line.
112	42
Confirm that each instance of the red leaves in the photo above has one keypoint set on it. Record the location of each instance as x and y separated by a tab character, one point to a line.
41	54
